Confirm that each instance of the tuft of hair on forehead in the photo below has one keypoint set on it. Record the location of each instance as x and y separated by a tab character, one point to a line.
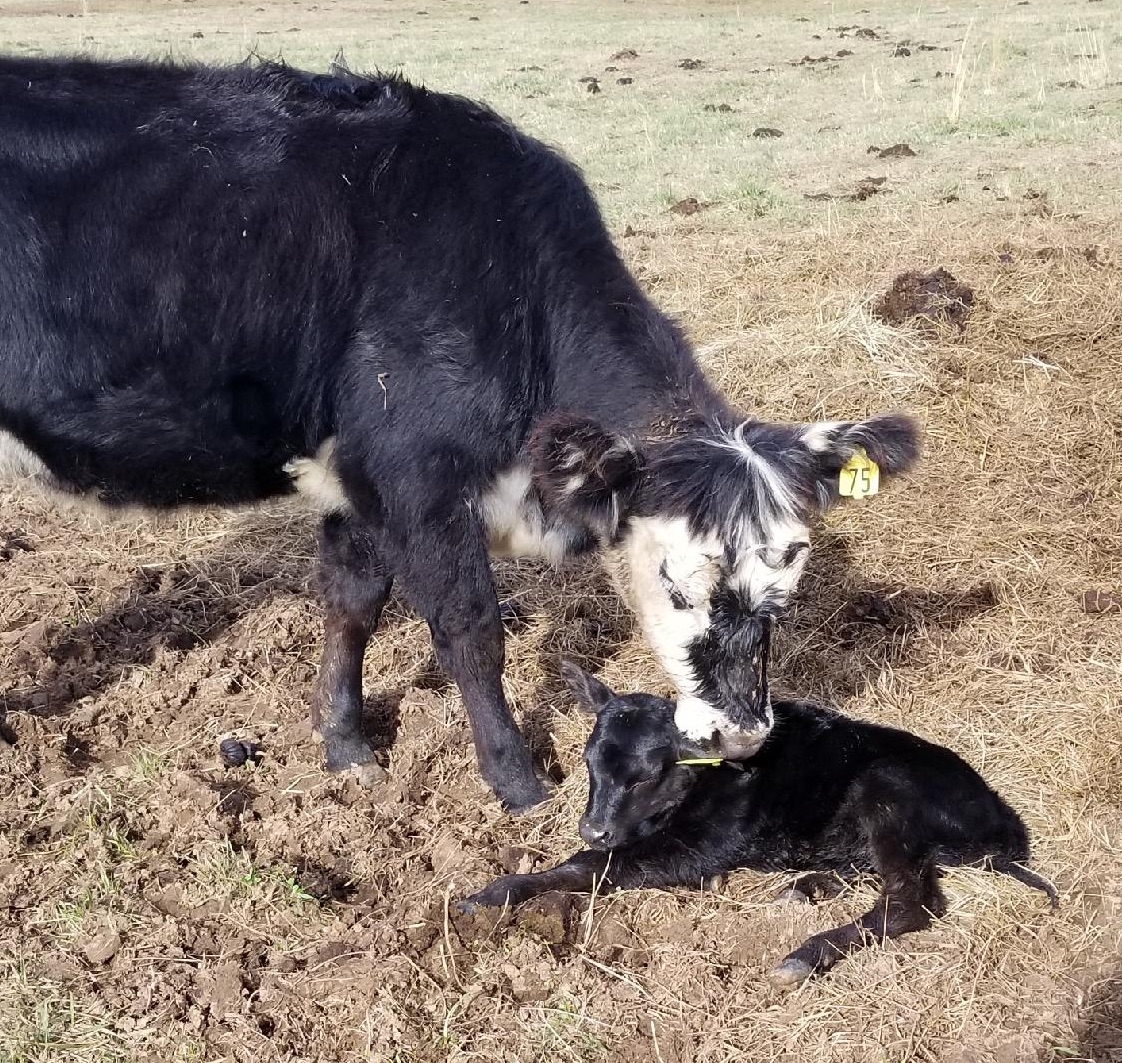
738	483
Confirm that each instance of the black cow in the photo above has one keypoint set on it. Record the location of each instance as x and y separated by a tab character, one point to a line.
219	285
825	794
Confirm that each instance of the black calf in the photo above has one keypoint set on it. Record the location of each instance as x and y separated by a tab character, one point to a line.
824	794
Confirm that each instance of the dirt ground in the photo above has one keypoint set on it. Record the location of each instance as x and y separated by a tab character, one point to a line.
159	906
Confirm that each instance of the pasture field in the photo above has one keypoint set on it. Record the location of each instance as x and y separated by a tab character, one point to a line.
159	907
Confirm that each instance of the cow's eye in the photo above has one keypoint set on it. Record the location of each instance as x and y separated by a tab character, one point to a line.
677	598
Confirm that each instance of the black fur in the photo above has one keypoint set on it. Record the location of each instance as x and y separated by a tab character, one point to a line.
208	272
825	793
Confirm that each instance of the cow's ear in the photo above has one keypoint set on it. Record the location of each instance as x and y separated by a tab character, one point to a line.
584	472
890	440
591	694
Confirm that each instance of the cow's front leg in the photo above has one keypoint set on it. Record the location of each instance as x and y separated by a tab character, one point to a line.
446	575
579	874
354	583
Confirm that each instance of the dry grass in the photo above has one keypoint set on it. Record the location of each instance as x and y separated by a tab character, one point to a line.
280	914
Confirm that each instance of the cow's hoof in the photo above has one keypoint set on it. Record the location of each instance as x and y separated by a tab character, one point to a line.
368	775
790	973
519	799
355	758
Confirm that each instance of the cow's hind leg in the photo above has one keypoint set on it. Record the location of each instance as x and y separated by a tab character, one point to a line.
909	899
354	583
446	575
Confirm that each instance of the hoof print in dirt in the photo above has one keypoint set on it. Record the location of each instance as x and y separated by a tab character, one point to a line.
896	151
234	752
766	132
936	296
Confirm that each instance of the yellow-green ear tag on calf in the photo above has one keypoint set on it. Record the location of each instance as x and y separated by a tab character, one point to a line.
710	762
859	477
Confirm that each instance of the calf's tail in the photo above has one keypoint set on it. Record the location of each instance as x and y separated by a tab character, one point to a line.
1004	866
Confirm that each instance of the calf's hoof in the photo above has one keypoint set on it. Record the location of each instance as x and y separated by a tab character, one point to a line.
790	973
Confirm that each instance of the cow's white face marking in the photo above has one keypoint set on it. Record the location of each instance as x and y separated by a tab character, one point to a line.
317	479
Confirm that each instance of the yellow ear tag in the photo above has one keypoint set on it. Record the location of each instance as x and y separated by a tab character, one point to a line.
711	762
859	477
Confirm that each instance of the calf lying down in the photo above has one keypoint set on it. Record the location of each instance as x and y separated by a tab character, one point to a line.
825	794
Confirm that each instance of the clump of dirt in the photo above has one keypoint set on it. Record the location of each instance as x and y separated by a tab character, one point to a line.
624	81
1099	601
690	205
810	60
862	32
935	296
718	108
691	64
866	188
624	55
591	84
764	132
843	53
896	151
12	543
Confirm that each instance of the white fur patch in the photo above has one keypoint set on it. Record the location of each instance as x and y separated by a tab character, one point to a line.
17	462
760	574
818	437
516	526
317	480
693	567
698	720
768	475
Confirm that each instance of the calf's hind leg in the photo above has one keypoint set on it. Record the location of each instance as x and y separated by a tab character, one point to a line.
909	899
354	583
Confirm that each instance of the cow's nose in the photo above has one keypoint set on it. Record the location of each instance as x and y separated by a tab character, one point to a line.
594	834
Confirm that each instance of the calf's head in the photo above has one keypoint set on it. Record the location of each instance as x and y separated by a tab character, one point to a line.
635	778
713	529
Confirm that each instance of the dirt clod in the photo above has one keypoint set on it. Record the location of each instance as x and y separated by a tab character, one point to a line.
625	54
690	205
764	132
718	108
896	151
932	296
691	64
624	81
1099	601
103	947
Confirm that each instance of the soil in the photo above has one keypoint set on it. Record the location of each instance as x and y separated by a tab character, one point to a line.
934	296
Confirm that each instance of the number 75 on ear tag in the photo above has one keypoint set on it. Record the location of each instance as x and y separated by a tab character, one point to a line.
859	477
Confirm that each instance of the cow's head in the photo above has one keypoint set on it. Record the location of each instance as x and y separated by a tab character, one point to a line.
713	528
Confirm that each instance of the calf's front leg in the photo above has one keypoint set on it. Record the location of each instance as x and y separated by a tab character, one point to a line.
581	873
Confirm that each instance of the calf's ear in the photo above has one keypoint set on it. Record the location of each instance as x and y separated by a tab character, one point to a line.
591	694
889	439
585	472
